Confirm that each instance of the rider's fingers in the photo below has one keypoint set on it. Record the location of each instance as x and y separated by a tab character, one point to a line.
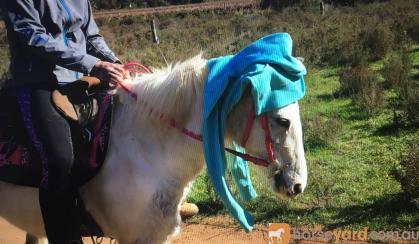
112	83
118	68
126	74
116	76
115	72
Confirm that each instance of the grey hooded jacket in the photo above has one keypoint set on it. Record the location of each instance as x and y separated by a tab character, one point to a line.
52	41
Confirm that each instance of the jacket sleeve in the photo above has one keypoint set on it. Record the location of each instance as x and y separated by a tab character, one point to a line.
96	44
23	20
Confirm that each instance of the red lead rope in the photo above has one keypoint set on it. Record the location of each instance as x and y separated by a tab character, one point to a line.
139	68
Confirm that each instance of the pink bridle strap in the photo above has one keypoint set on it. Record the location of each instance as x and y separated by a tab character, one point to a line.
127	90
136	67
141	69
244	156
268	140
263	119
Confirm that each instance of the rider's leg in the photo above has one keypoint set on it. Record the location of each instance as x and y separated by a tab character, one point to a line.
58	198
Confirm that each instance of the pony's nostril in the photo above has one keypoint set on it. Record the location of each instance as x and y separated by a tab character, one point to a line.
298	188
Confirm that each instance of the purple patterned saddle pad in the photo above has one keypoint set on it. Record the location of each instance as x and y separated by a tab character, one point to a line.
20	162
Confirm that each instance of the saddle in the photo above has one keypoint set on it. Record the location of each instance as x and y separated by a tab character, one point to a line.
73	100
89	113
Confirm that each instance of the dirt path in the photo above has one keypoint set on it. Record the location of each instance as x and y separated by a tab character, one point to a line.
212	230
229	4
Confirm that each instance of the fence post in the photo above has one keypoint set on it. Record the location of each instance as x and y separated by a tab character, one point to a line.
154	32
156	39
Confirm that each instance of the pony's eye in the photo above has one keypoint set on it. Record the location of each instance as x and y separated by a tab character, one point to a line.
283	122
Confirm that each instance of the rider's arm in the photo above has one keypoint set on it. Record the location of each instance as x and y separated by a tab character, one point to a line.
23	19
96	44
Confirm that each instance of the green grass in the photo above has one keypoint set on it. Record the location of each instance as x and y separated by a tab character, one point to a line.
350	183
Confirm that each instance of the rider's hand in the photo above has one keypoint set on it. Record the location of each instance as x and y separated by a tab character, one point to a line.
126	74
108	72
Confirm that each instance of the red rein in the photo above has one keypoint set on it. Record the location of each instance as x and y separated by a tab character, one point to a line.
139	68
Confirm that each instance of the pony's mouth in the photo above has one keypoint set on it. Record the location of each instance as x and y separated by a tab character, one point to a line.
280	186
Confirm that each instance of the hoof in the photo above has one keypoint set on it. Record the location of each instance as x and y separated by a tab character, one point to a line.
188	210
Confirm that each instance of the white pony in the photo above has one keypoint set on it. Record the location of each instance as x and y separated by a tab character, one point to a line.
150	167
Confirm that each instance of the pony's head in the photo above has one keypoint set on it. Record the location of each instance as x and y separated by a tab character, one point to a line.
176	90
287	172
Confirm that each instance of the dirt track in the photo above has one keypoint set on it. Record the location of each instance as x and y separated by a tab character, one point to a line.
232	4
215	230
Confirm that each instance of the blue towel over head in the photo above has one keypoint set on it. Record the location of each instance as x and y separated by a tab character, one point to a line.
276	80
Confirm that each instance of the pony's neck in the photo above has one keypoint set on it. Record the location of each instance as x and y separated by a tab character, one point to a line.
176	93
172	92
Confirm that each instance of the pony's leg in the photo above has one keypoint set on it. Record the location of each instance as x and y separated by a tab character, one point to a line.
31	239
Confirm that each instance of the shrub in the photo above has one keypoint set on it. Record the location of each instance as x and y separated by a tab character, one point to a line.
353	79
370	98
406	107
377	41
349	79
361	84
404	24
396	70
407	173
413	29
332	44
396	73
321	132
349	52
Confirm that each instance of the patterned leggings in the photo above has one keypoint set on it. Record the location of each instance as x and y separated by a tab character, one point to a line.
51	135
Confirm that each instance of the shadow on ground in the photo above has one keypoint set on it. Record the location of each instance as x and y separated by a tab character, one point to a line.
392	129
388	208
210	207
328	97
413	50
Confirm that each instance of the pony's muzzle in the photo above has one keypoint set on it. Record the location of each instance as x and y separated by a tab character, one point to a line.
281	186
298	188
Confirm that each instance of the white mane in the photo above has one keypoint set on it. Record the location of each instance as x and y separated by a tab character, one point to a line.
170	91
